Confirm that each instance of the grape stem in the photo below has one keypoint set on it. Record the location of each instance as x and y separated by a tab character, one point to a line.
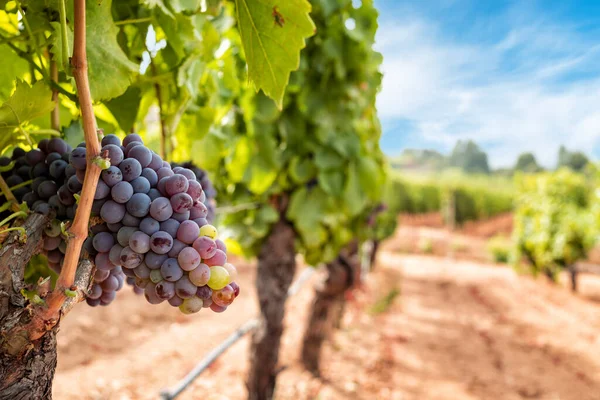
55	114
78	231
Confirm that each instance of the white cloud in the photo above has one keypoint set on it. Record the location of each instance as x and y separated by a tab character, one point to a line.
511	95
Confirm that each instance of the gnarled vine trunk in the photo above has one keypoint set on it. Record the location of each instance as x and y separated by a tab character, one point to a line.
329	305
276	269
26	367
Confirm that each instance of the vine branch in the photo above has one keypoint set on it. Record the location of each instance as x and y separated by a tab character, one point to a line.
55	114
78	231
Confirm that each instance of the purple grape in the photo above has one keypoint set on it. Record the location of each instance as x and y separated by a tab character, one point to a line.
221	245
103	242
175	301
188	232
95	292
74	185
124	235
57	169
80	175
70	171
177	247
184	288
194	190
219	259
154	194
112	212
161	209
149	226
181	202
107	298
101	274
132	137
112	176
205	246
114	255
188	258
121	192
142	271
130	220
131	169
200	275
43	145
47	189
164	172
102	190
35	156
161	186
204	292
130	259
161	242
156	162
142	154
140	185
114	227
170	270
150	294
139	205
153	260
170	226
65	196
150	175
183	216
102	262
51	157
110	284
188	173
176	184
165	290
111	139
199	210
140	242
236	288
57	145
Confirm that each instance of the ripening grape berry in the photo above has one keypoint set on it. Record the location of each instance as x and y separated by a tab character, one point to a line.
114	154
51	157
183	216
219	259
204	292
112	176
139	242
224	297
199	210
178	245
181	202
130	259
132	137
154	194
102	190
205	246
208	230
188	258
150	293
124	234
164	172
121	192
139	205
53	229
130	220
150	176
142	154
191	305
188	232
47	189
103	262
95	292
142	271
149	225
165	290
114	255
170	226
160	209
161	242
217	308
170	270
103	242
184	288
110	284
200	275
221	245
110	139
140	185
154	261
201	222
74	185
155	276
156	162
176	184
112	212
219	278
175	301
232	271
51	243
34	156
131	169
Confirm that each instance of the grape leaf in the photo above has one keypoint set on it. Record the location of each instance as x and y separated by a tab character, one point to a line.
12	66
26	103
125	107
273	33
110	71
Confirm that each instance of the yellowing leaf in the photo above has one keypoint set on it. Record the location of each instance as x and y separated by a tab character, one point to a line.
273	33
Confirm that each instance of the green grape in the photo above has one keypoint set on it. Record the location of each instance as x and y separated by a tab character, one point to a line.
191	306
219	278
155	276
208	230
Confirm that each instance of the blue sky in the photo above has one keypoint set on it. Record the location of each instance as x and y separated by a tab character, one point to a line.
513	75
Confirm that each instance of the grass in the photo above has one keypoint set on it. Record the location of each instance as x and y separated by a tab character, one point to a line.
384	303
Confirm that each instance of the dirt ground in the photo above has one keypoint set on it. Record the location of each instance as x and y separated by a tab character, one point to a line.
458	329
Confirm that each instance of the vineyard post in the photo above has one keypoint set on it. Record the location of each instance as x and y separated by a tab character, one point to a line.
276	269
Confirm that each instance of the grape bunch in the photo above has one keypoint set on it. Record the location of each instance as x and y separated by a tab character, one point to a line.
155	228
207	186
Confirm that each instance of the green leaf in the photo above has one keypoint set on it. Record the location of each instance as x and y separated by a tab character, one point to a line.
13	67
273	33
110	71
125	107
26	103
239	160
301	170
74	133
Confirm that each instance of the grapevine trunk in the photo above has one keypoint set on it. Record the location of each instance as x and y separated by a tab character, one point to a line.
276	268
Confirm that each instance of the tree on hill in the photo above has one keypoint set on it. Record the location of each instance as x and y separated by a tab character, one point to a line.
576	160
527	163
467	156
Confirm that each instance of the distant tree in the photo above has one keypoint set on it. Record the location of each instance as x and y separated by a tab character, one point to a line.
527	163
576	160
467	156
